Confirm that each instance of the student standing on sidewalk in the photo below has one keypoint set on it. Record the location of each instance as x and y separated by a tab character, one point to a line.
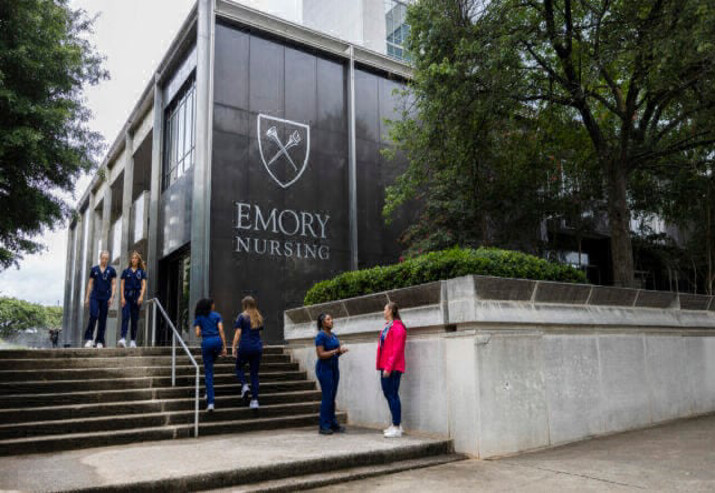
132	287
247	338
209	327
391	364
100	294
328	349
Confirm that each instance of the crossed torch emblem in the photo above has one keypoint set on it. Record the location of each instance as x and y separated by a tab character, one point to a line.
293	140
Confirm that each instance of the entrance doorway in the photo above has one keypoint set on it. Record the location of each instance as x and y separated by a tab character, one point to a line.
176	272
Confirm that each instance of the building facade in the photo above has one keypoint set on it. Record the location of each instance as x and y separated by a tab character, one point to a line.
251	164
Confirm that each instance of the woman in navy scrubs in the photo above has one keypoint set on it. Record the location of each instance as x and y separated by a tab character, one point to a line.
133	285
100	294
328	349
250	347
209	327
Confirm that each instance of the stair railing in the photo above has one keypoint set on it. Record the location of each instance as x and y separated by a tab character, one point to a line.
174	337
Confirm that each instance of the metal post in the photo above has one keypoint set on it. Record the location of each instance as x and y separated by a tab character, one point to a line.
173	360
196	405
153	325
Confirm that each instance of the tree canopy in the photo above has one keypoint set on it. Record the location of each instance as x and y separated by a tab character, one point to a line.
45	141
510	96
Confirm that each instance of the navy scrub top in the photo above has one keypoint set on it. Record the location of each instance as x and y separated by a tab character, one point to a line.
102	285
250	339
133	282
329	342
208	324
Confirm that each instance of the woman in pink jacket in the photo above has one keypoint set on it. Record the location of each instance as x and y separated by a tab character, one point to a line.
391	364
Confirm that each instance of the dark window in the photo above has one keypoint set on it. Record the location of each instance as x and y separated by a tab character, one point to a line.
180	133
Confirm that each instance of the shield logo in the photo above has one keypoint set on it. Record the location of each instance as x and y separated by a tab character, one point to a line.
284	146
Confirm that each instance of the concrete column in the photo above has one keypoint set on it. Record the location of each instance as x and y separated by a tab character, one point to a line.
69	292
74	336
201	196
352	165
85	265
154	192
106	218
127	190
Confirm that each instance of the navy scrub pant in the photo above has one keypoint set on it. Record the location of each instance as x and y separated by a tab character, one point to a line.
130	310
210	349
253	358
391	387
97	311
328	376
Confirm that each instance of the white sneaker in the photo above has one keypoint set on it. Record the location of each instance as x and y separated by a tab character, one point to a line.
100	345
88	343
388	429
253	404
210	408
396	432
244	390
132	344
122	342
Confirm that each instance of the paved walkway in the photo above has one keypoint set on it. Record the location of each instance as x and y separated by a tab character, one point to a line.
171	460
676	457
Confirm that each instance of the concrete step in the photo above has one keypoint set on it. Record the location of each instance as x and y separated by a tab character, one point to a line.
128	395
110	362
35	375
54	443
39	386
149	420
298	473
342	476
81	411
111	352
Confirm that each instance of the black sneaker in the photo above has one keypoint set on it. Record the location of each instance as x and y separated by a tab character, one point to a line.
338	429
325	431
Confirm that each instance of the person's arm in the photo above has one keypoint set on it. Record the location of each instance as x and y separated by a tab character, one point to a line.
197	328
397	345
223	338
121	292
114	288
141	294
89	290
236	337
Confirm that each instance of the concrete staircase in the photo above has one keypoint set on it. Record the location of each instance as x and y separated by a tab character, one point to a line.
53	400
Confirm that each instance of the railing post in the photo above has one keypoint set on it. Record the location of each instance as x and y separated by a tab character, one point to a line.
173	359
196	405
153	326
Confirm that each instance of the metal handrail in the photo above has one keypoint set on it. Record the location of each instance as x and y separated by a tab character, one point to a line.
175	335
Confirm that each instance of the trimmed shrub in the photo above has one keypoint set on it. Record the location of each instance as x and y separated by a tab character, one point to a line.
436	266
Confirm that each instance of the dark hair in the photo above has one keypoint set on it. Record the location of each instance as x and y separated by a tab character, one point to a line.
203	307
394	309
321	317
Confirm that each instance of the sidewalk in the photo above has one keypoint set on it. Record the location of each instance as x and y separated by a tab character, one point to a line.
209	462
676	457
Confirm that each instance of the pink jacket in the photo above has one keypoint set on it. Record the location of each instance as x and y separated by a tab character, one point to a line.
391	356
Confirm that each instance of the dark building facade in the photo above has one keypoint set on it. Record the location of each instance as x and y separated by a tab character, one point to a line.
251	165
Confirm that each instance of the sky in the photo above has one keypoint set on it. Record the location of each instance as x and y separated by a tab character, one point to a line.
133	35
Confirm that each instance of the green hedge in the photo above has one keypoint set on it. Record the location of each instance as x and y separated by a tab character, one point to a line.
436	266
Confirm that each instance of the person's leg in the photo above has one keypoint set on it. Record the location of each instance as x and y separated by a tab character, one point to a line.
255	363
325	377
134	312
208	354
240	362
395	404
336	379
93	316
126	314
103	310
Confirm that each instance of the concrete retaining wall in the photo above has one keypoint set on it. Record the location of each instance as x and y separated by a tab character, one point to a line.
502	366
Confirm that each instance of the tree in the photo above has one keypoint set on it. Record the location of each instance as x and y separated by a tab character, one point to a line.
635	77
18	315
45	141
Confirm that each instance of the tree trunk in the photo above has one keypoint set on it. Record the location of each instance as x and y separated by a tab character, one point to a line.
620	223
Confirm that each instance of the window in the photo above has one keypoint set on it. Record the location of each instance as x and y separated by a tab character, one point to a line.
396	28
138	219
115	254
180	133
